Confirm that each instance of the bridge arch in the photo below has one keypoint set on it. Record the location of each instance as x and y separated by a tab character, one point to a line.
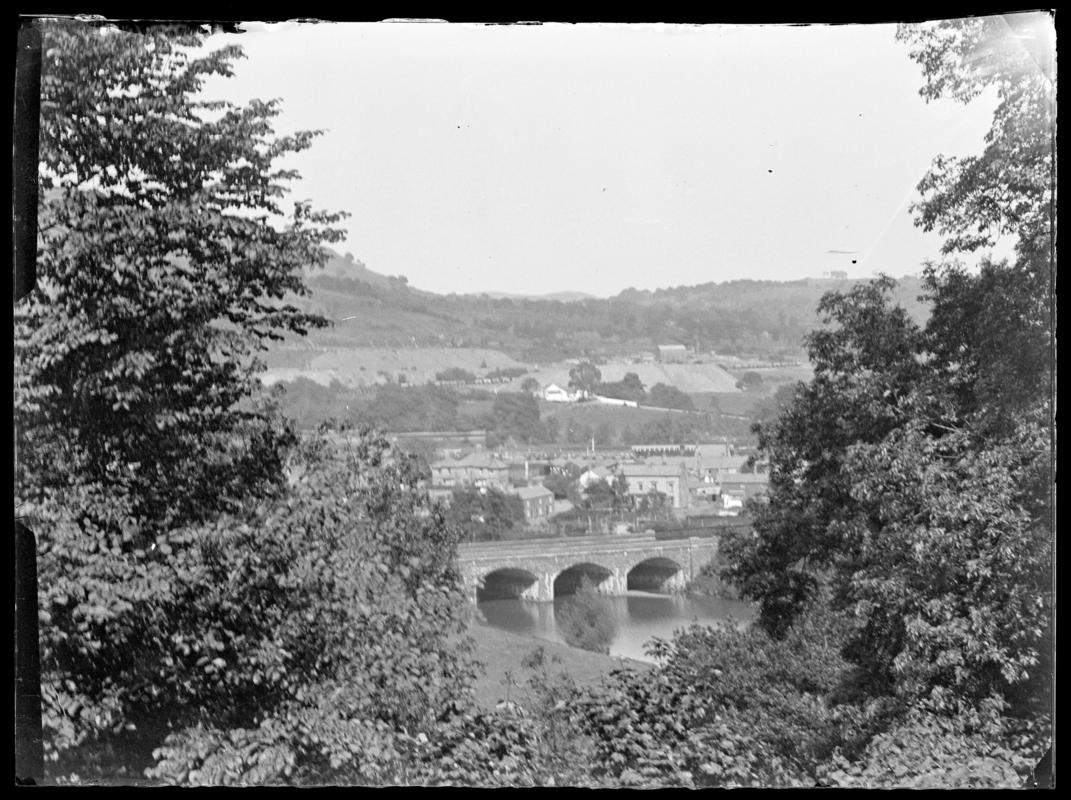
569	580
656	574
508	582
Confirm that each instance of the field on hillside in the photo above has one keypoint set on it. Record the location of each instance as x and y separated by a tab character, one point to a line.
777	376
689	378
364	366
617	418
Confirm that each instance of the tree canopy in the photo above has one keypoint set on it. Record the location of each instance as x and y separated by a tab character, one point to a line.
913	473
165	261
584	377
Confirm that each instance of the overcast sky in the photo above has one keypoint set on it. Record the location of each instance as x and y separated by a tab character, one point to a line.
535	159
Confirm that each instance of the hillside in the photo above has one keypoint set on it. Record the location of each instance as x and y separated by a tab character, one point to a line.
749	319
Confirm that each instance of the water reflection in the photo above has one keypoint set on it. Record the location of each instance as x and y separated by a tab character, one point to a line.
641	616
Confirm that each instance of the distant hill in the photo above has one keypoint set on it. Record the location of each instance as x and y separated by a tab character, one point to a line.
564	297
750	319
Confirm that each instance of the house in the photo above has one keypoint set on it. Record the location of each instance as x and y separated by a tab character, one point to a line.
669	479
475	469
441	493
594	474
745	484
538	502
645	450
672	353
556	394
732	502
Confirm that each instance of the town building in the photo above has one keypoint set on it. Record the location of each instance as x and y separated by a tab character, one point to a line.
594	474
669	479
646	450
745	484
556	394
475	469
672	353
538	502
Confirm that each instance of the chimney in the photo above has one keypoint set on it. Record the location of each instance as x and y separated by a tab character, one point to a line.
526	470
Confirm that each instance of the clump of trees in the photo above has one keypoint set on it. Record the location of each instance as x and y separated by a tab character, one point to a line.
485	514
665	396
749	380
913	476
458	374
630	387
584	378
586	619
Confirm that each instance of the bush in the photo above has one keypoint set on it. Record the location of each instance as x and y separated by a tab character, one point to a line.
307	640
930	749
458	374
587	620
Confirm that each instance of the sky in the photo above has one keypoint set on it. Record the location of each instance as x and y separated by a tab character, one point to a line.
592	158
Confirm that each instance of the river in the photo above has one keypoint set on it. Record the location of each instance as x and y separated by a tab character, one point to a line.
640	616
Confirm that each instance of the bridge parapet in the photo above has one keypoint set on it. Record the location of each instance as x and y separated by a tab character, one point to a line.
609	559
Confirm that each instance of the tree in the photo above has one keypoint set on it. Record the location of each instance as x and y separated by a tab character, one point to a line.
516	414
587	619
530	385
628	388
599	494
486	514
664	396
456	374
584	378
913	474
316	637
164	264
1010	187
749	380
621	498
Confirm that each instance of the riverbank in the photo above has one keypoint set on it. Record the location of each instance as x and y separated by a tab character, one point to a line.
501	652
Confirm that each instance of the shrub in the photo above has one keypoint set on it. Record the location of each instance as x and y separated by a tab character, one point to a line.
587	620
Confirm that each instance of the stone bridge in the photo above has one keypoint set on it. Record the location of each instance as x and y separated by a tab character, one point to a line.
542	569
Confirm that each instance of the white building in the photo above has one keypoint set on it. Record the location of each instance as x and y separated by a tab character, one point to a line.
556	394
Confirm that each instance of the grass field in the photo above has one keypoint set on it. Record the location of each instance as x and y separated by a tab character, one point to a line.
618	417
502	652
361	366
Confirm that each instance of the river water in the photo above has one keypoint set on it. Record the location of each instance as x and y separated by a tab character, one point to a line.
640	616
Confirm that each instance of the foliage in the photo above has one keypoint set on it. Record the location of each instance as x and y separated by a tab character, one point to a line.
587	620
775	691
412	408
749	380
927	749
338	630
485	514
728	317
1010	187
628	388
913	473
665	396
455	374
647	731
516	414
507	373
163	262
584	378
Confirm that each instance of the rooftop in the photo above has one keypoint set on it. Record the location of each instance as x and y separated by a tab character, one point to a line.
746	477
640	470
531	492
472	460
